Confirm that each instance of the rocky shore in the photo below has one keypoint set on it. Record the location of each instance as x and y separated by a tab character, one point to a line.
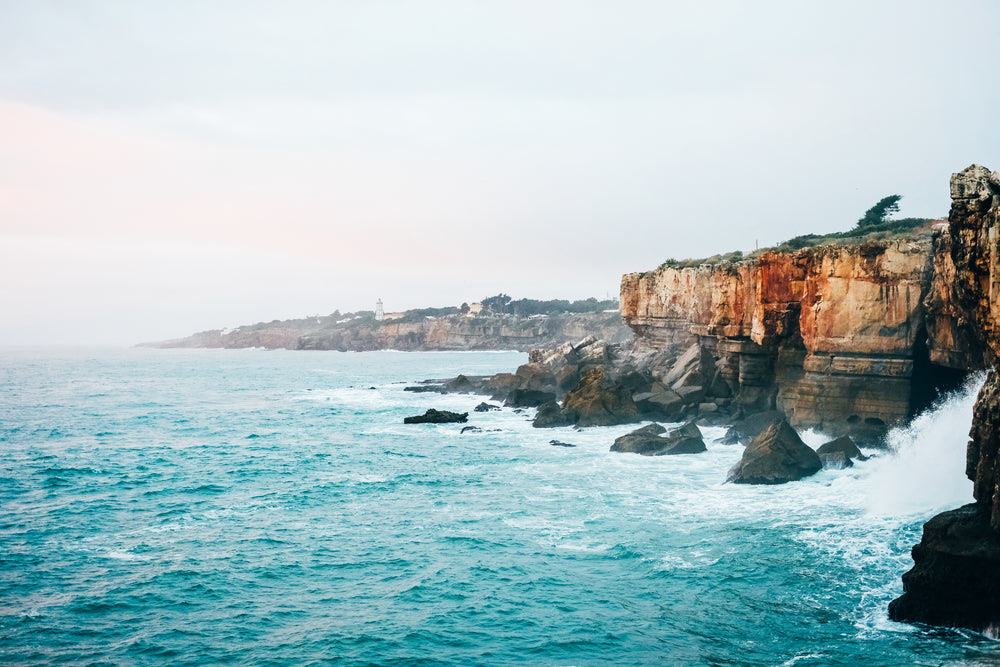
457	332
847	340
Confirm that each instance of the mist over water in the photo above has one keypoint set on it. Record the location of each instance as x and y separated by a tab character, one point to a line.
198	507
926	469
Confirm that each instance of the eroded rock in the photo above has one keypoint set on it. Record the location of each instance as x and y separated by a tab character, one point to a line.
776	456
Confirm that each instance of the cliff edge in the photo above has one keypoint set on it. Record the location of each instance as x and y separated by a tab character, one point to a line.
954	577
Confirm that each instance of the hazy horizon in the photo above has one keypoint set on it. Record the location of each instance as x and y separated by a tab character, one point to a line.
176	167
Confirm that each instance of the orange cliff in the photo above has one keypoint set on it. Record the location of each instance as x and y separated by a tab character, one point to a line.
836	337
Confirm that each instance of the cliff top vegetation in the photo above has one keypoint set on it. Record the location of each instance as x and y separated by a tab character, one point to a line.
874	225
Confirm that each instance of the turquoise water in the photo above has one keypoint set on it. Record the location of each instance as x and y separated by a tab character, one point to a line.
270	508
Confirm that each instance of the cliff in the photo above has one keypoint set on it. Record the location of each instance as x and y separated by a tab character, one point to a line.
442	333
837	337
953	580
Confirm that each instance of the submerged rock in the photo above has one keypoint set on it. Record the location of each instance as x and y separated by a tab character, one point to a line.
433	416
557	443
649	441
486	407
470	429
776	456
840	453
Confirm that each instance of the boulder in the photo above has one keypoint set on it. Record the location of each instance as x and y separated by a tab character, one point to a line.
528	398
666	405
776	456
567	377
433	416
840	453
599	401
557	443
486	407
650	441
550	415
691	394
536	376
461	384
470	429
635	381
748	428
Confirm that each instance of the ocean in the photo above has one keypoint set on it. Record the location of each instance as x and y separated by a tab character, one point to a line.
204	507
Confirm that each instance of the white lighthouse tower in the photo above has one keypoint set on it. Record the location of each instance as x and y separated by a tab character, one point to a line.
379	311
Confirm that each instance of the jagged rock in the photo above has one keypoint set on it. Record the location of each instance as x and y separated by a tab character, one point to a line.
486	407
557	443
688	369
649	441
500	385
551	415
691	395
954	577
665	404
536	376
840	453
748	428
528	398
707	408
635	381
599	401
592	354
433	416
470	429
567	377
776	456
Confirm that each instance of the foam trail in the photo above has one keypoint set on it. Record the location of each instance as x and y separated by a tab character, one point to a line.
926	469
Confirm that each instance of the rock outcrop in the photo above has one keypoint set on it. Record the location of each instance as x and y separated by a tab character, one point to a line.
433	416
776	456
361	334
650	441
953	580
840	453
836	338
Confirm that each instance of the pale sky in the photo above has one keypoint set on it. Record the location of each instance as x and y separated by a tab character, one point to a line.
169	167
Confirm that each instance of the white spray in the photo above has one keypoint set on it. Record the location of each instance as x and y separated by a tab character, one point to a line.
926	469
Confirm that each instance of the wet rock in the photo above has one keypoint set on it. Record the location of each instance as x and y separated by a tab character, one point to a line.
745	430
557	443
486	407
953	581
551	415
528	398
536	376
776	456
599	401
427	389
433	416
470	429
666	405
650	441
840	453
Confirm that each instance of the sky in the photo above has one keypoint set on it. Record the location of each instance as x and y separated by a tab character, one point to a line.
171	167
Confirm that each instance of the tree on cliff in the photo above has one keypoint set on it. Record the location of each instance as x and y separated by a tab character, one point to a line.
496	304
880	212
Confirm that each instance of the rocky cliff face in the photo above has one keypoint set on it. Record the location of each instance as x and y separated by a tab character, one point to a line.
954	578
443	333
829	335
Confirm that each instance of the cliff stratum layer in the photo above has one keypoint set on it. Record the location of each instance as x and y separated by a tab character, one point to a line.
441	333
842	339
